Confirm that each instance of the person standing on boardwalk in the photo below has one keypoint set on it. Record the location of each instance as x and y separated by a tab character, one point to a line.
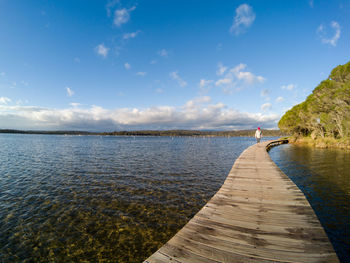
258	135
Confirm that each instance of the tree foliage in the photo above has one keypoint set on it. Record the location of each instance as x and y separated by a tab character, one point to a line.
326	112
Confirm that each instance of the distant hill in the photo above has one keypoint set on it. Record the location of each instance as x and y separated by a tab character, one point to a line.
326	112
248	133
46	132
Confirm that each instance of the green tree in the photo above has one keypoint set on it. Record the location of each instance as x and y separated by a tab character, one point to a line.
325	112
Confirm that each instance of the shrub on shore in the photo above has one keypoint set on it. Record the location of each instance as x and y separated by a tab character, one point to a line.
326	142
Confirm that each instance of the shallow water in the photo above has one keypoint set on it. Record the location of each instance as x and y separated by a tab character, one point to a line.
93	198
324	177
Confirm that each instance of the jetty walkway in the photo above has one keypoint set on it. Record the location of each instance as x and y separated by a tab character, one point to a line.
258	215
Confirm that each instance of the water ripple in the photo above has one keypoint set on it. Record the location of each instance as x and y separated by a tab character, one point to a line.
324	177
113	199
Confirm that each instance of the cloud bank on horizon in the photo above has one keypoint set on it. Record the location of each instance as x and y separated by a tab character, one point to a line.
163	65
195	114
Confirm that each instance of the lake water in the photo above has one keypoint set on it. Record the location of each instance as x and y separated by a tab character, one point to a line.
117	199
76	198
324	177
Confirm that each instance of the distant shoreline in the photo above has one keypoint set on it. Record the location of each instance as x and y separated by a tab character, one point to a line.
182	133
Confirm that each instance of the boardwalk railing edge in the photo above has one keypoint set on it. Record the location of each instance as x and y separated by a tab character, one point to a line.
276	143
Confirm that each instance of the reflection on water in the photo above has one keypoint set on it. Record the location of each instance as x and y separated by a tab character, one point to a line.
324	177
76	198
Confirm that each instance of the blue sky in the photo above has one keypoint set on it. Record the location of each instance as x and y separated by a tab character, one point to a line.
124	65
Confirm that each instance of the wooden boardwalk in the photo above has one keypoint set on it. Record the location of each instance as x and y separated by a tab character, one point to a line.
258	215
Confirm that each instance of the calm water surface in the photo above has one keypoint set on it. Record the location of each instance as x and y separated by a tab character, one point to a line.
93	198
324	177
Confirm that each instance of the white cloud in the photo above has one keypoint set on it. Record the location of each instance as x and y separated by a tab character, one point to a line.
127	65
131	35
110	5
237	78
141	73
224	81
238	68
2	74
279	99
174	75
75	104
266	106
4	100
163	53
204	83
152	62
70	92
288	87
221	69
246	76
159	90
196	102
329	38
244	18
102	50
249	77
122	16
198	113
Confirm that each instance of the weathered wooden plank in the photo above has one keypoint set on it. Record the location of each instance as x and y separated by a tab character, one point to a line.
257	251
161	257
258	215
245	221
267	240
300	213
185	247
182	254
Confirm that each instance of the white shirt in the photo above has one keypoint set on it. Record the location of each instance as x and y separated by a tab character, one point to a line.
258	134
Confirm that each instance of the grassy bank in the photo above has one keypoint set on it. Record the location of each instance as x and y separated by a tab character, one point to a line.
326	142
